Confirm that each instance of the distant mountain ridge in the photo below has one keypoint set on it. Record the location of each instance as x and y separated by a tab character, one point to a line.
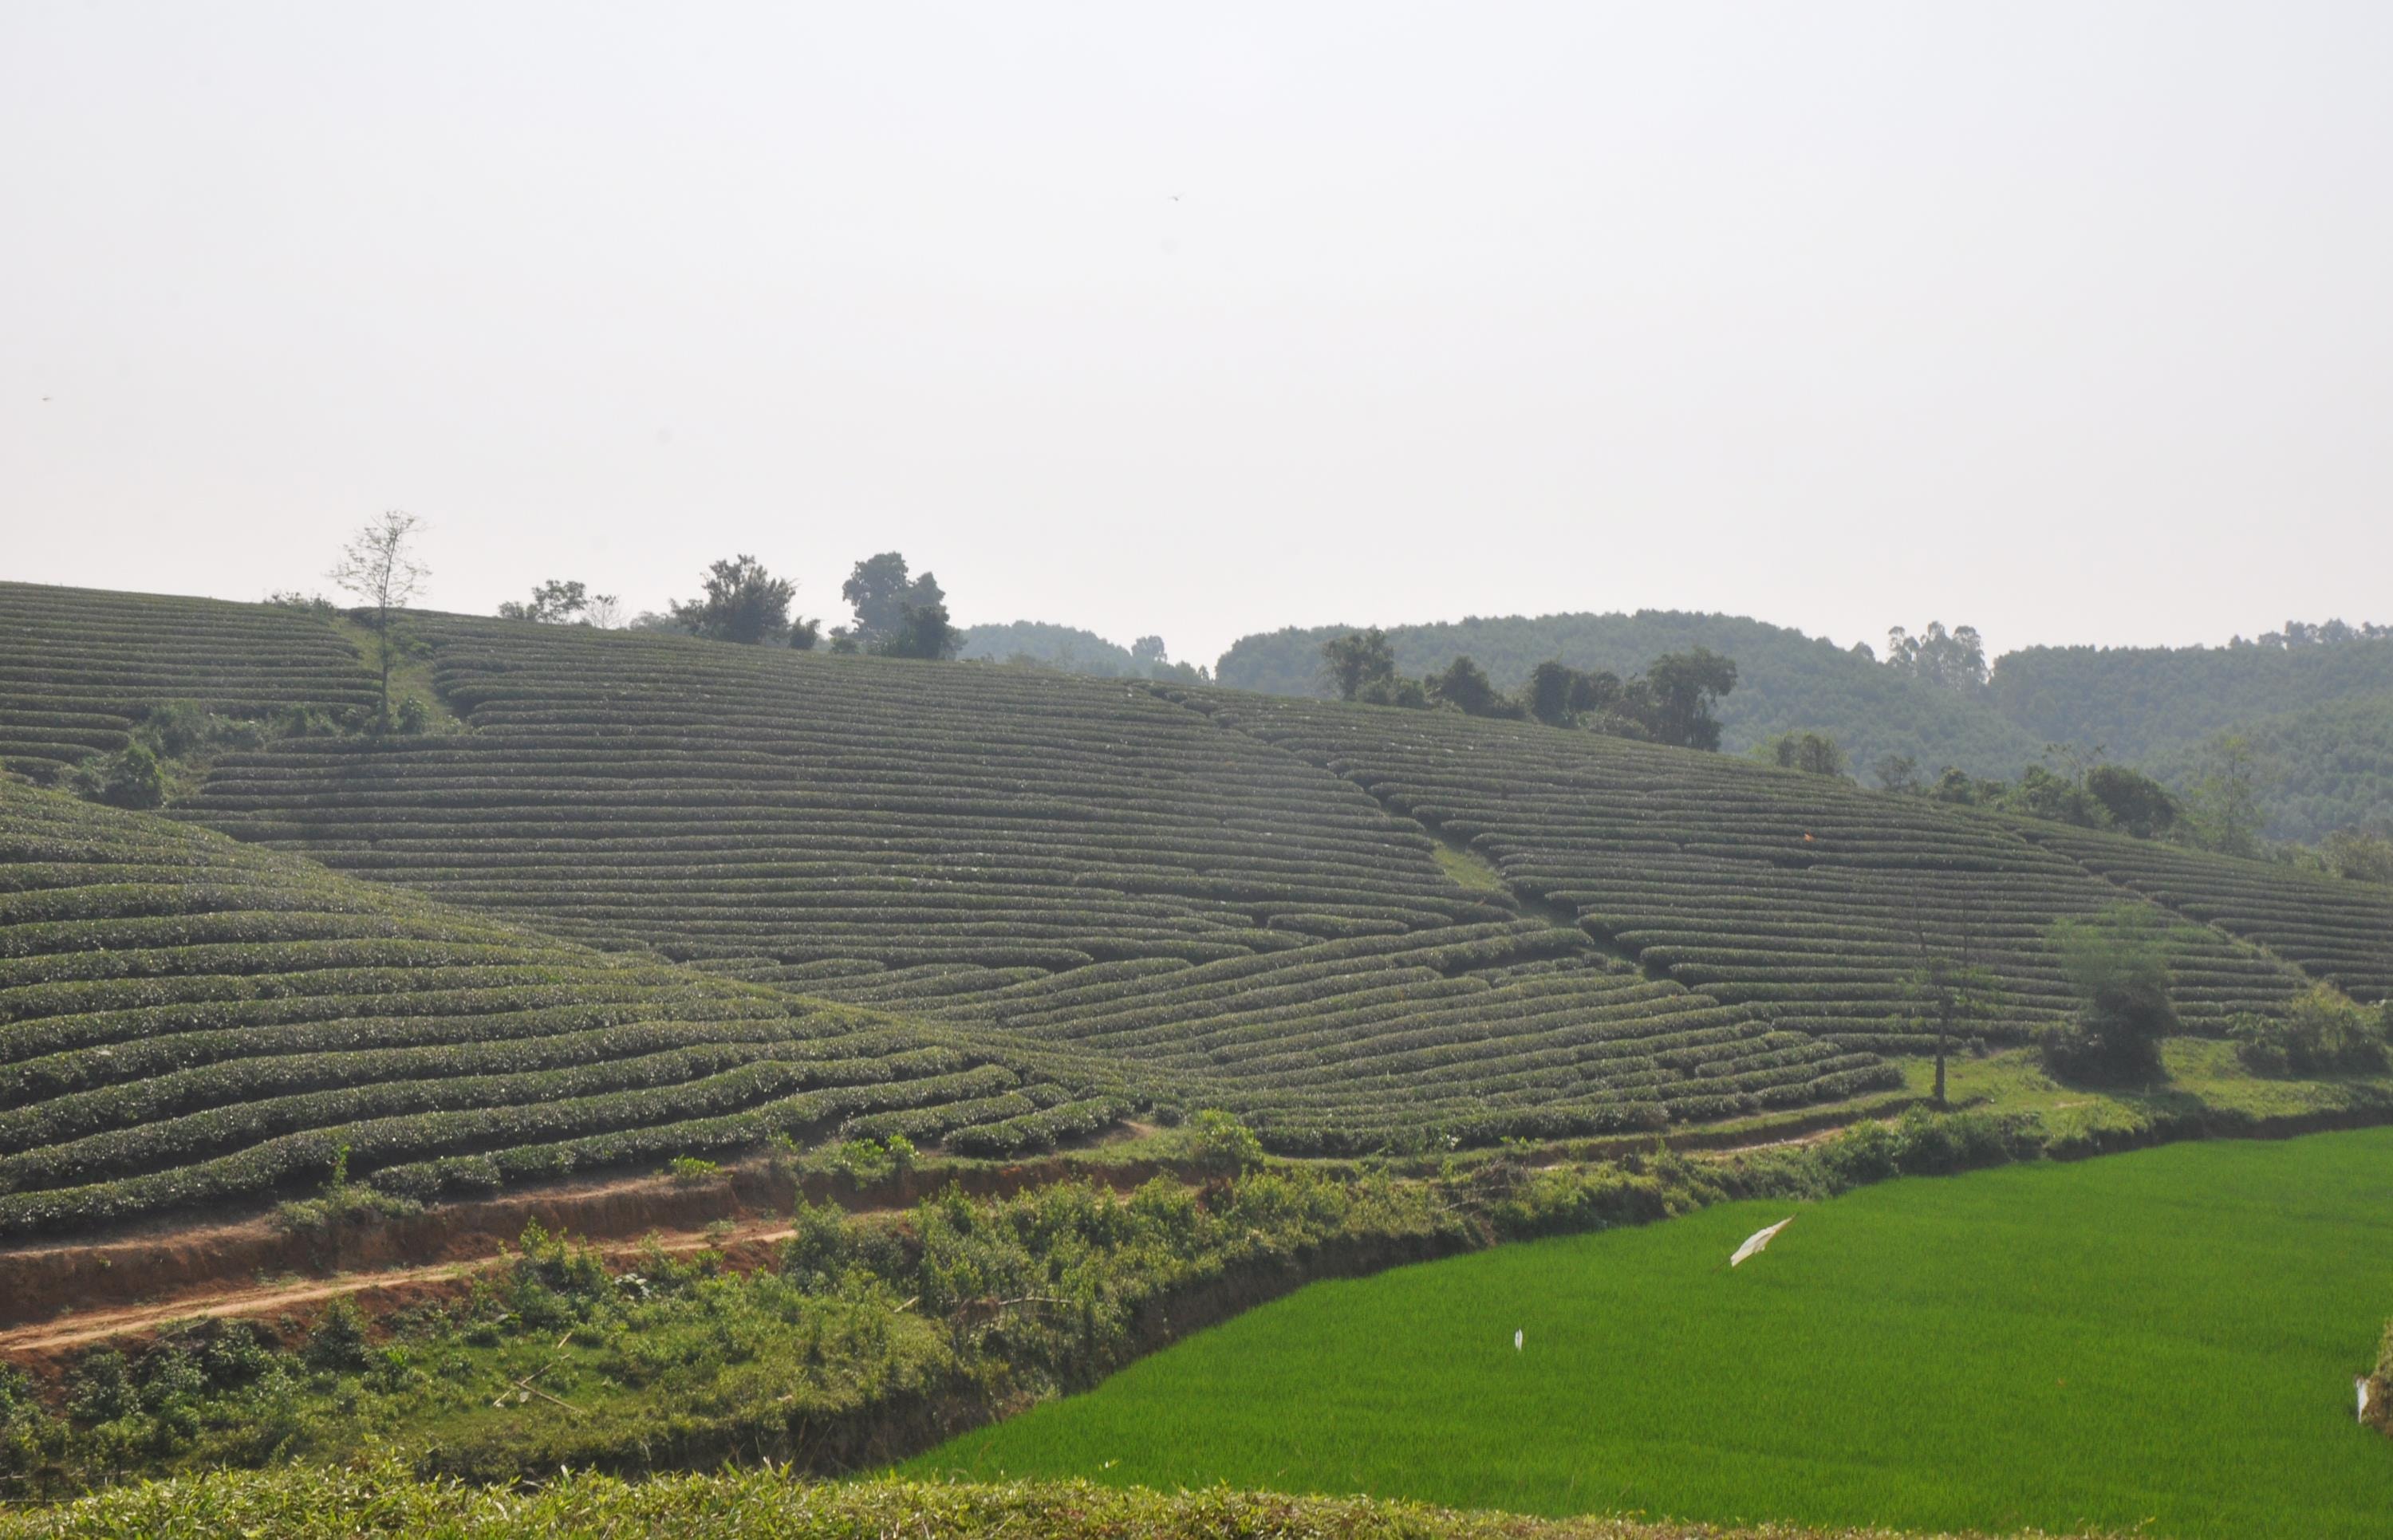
2136	702
2318	708
1785	679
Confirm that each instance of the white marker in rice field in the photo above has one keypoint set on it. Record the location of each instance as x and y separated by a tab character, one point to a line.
1516	1339
1759	1239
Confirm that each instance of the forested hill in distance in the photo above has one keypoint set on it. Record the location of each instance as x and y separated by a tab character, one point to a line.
2315	703
2323	768
1785	679
2138	702
1070	649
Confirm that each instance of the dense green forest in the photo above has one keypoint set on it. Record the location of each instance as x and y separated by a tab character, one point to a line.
2141	702
2314	703
1068	647
1074	650
2325	767
1785	679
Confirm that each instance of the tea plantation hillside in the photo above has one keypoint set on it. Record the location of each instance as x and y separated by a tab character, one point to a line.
1219	899
2335	930
79	668
1063	858
184	1019
1802	895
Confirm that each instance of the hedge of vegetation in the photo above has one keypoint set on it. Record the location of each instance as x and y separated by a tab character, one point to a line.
79	668
316	1504
185	1020
1802	896
2337	930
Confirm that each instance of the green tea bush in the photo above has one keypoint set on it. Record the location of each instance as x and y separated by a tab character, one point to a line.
2324	1033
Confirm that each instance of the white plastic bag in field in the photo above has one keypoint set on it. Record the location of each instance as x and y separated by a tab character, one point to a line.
2359	1383
1759	1239
1519	1335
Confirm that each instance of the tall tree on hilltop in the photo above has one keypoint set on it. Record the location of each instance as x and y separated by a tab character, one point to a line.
552	603
1465	687
742	603
1356	660
1684	687
923	631
1952	660
379	567
879	590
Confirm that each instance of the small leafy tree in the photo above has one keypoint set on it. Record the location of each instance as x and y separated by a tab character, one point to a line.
1951	988
923	631
742	603
131	777
1219	1142
1357	660
1812	753
1898	774
880	589
554	603
1465	687
2323	1032
2136	803
2117	963
1681	689
2359	855
2222	808
379	567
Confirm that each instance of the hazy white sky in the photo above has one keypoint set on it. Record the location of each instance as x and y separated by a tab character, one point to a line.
2069	320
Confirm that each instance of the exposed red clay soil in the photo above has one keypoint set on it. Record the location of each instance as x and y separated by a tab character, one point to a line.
37	1346
52	1295
56	1298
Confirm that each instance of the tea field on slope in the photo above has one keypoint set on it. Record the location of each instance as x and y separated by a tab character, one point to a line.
2164	1339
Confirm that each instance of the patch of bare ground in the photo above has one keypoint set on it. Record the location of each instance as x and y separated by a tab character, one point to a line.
59	1295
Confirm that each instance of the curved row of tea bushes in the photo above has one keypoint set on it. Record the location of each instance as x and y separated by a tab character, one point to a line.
186	1020
1476	1032
1801	897
755	807
2337	930
79	667
1053	859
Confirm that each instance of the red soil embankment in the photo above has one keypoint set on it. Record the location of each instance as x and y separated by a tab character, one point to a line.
160	1273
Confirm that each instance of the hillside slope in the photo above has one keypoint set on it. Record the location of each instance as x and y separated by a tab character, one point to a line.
80	667
1785	679
2140	703
2321	768
1354	927
185	1020
1802	895
1066	859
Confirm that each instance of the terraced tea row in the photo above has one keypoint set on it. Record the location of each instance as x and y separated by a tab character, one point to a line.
2337	930
80	667
711	802
185	1020
1802	895
978	844
1467	1033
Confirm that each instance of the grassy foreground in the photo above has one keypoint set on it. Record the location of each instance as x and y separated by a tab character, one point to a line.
2164	1339
764	1504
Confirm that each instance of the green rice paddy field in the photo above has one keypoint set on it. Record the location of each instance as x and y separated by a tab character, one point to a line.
2164	1339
